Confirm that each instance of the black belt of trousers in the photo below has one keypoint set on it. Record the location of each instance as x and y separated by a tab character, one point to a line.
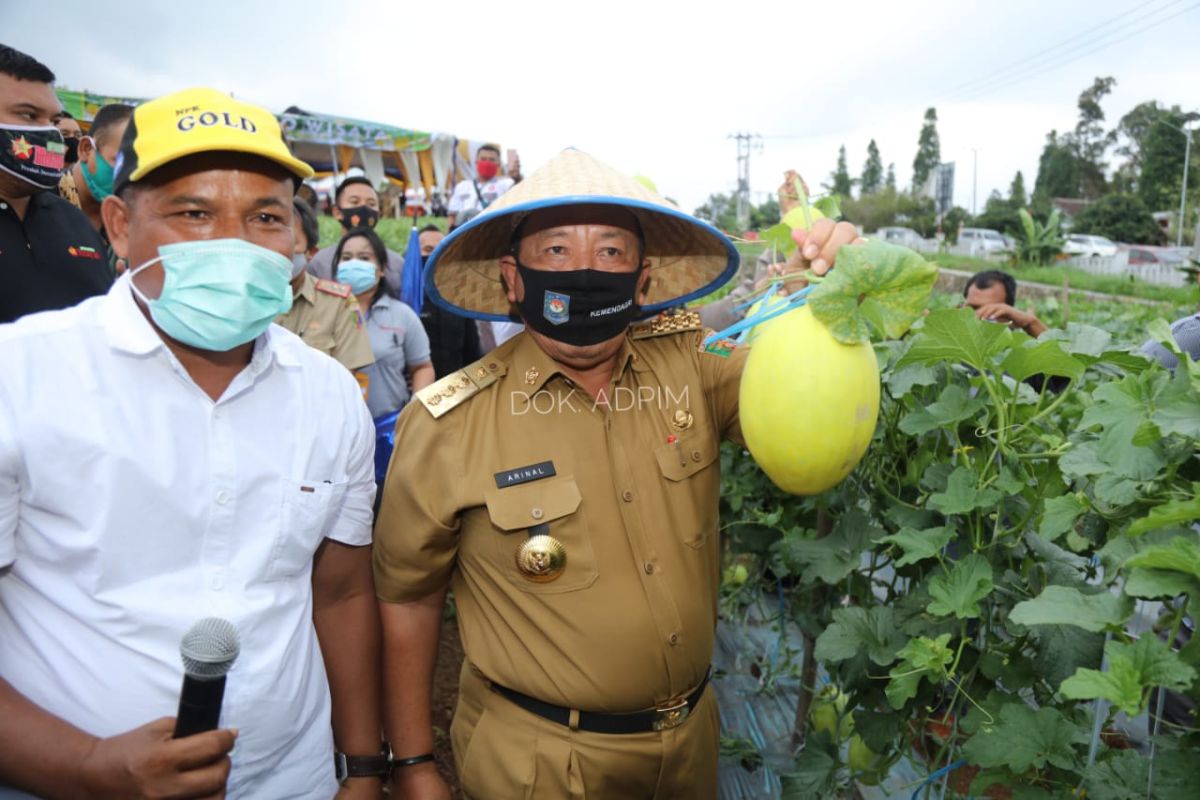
658	719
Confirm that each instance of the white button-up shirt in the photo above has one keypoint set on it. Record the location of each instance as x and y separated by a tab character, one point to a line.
132	505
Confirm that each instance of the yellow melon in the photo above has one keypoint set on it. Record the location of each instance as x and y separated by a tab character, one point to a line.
808	403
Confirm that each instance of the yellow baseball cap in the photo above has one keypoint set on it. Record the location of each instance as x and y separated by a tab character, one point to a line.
198	121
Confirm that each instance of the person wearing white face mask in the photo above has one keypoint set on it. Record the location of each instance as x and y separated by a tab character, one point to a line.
398	339
168	454
324	313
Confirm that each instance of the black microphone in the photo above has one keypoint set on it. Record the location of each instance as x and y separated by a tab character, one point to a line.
209	649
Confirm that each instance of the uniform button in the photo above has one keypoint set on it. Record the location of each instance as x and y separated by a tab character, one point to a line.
649	568
696	456
536	513
216	583
673	638
222	497
493	366
627	496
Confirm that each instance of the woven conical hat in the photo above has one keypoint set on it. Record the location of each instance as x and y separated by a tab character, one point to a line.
689	258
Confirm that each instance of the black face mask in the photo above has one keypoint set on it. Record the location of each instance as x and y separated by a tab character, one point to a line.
72	143
578	307
36	155
359	217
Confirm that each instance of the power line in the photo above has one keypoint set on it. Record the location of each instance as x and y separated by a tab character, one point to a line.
1037	55
1045	68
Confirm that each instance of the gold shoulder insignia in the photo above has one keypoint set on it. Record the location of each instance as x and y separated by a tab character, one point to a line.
459	386
333	287
676	321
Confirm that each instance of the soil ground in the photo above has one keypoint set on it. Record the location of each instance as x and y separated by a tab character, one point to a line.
445	695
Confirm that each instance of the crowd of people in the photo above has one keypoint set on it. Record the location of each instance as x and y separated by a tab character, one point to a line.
187	429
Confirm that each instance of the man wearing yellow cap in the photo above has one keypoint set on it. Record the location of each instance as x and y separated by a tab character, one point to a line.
167	454
566	487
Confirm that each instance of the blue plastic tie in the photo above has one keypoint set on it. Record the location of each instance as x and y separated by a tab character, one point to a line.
789	303
962	762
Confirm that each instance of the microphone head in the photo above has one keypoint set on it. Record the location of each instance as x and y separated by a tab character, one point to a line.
209	648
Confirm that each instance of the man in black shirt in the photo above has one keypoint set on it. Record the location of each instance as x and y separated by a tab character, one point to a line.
453	341
50	256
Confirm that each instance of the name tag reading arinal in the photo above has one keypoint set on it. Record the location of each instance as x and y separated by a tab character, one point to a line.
533	472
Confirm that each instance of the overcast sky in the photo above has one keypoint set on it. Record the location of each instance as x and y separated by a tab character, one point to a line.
655	87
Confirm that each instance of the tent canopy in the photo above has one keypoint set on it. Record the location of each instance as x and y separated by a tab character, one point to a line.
333	144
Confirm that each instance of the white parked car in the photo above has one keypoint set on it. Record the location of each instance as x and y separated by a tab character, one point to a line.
982	239
905	237
1082	244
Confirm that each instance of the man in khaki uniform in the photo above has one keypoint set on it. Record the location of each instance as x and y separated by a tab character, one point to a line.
566	486
324	313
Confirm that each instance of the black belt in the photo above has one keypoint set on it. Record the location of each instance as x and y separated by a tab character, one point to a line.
665	717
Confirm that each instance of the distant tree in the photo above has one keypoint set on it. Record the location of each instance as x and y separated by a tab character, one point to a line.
1162	161
1091	140
720	210
872	174
1058	172
1016	192
999	215
889	207
929	151
1120	217
765	214
951	221
890	181
1132	130
840	182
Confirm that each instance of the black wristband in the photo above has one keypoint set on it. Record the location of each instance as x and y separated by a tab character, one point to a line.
412	761
346	767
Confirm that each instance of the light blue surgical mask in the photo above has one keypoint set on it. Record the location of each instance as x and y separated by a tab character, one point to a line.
218	293
361	276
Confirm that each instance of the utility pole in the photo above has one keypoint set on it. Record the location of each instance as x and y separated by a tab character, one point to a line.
743	183
974	178
1187	152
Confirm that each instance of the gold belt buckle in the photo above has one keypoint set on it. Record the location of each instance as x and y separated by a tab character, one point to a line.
671	715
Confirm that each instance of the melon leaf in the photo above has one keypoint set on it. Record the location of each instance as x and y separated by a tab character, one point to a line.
873	282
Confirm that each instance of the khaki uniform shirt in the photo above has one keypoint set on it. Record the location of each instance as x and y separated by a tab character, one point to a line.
631	490
327	317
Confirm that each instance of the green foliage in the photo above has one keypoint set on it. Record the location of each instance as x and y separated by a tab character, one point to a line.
1120	217
1133	669
921	658
394	232
1016	191
999	215
872	172
1058	172
721	211
875	282
929	150
840	182
888	207
1162	151
1023	738
958	602
1059	275
1038	243
1091	139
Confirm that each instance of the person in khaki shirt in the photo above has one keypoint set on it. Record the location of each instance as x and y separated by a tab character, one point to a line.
566	487
324	313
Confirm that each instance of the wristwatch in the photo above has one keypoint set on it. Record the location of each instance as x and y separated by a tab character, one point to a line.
376	766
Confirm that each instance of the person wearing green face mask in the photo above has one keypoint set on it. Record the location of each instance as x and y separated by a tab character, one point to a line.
93	172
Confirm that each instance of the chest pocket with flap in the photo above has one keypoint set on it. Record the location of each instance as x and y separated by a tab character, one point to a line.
556	503
692	486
